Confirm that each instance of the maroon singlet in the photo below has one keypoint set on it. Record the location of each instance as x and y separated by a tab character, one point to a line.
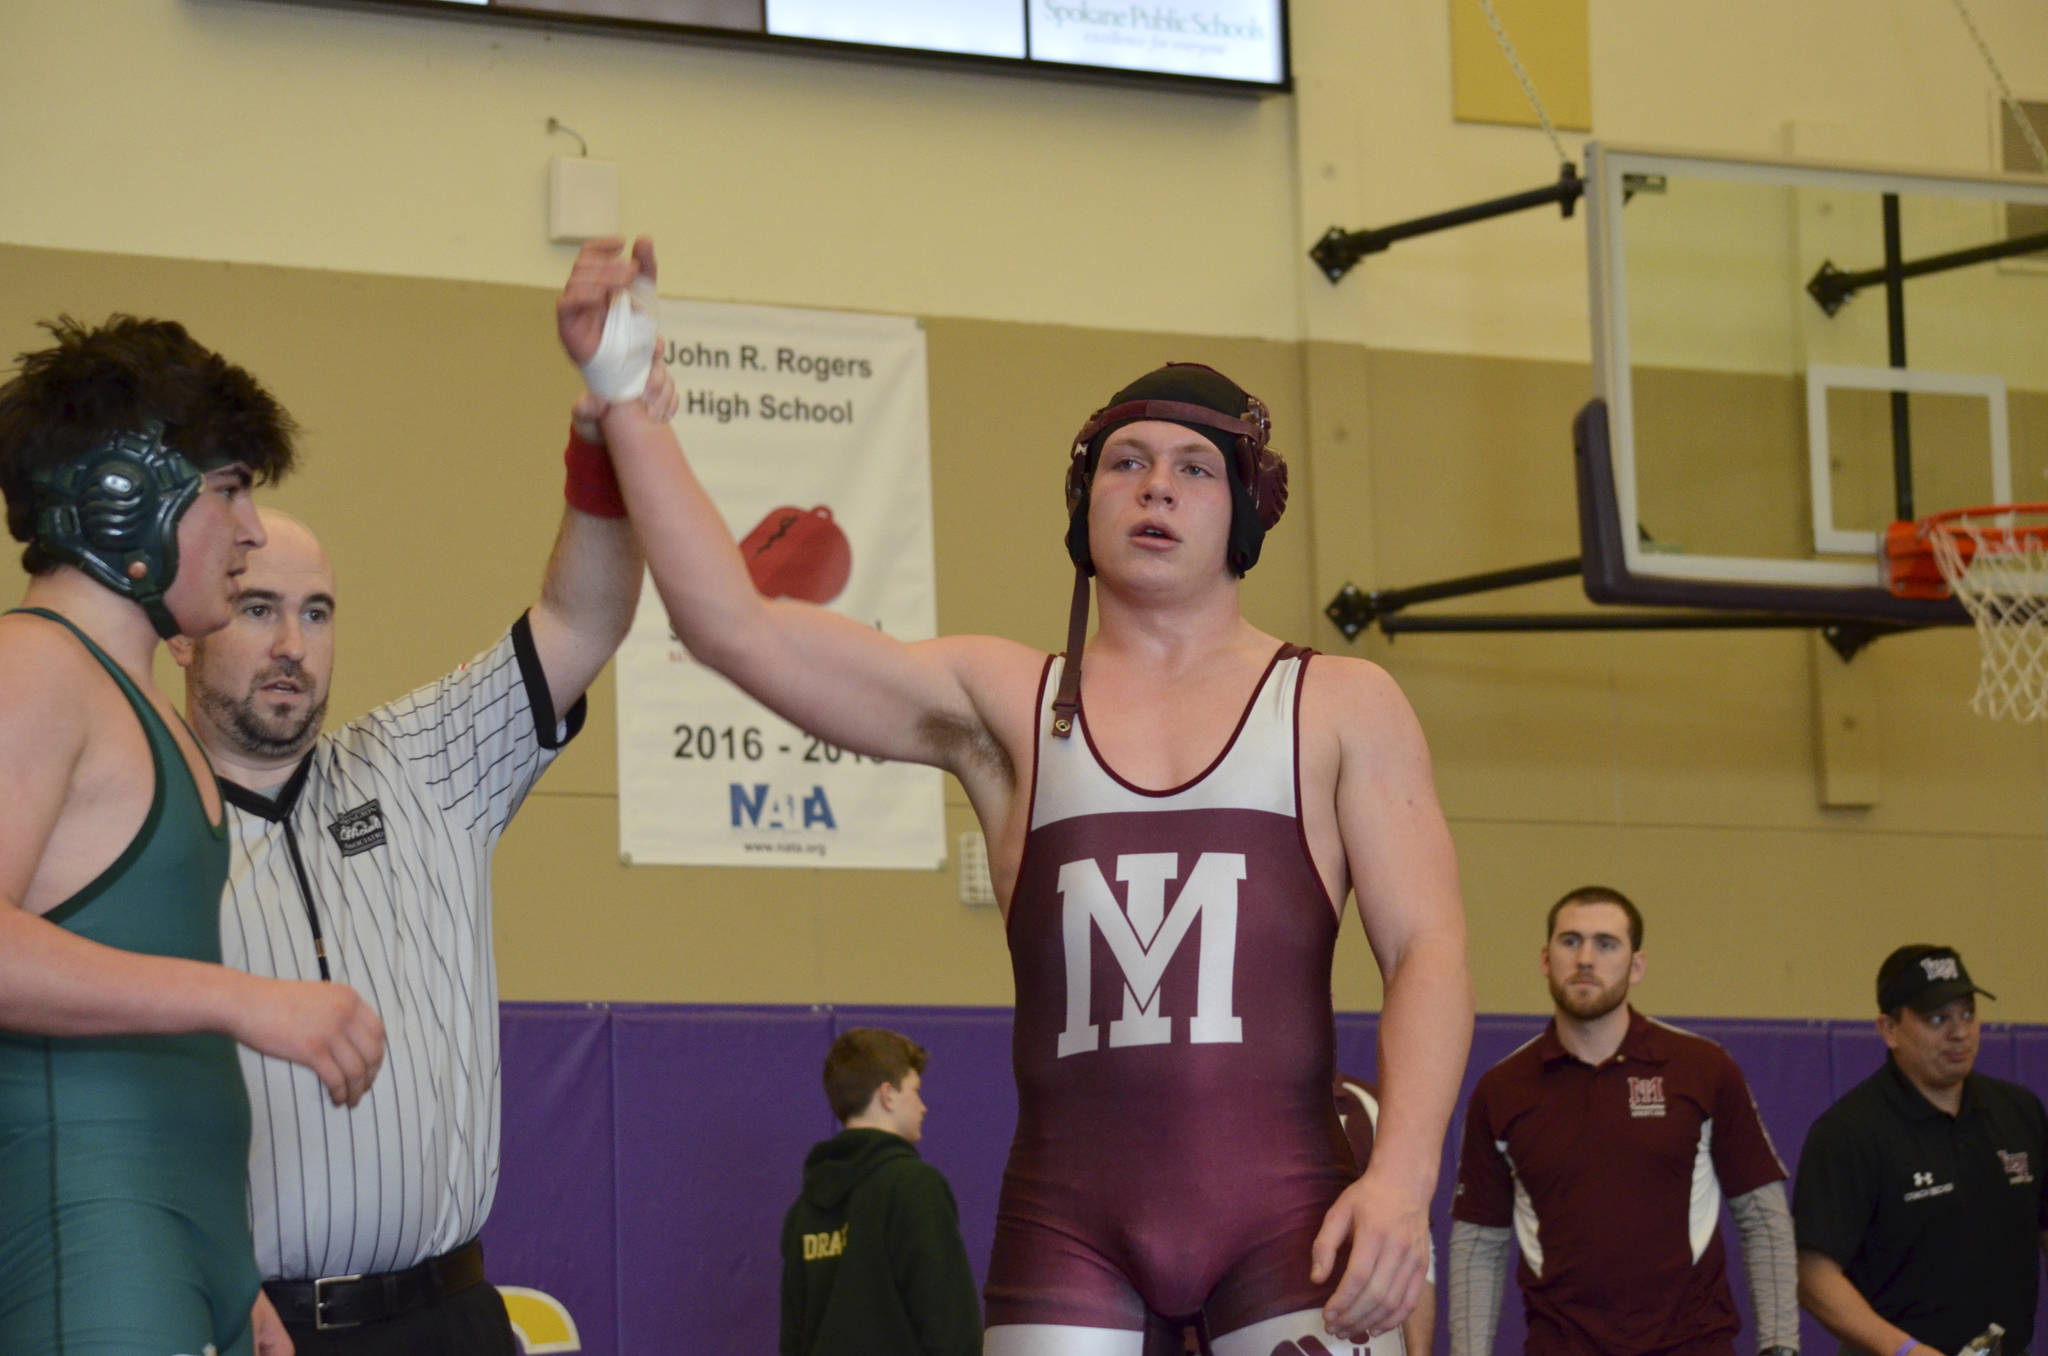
1177	1145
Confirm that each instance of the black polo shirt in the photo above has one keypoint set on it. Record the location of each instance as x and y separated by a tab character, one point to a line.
1935	1219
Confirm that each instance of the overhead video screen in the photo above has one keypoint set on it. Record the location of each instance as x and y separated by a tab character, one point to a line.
983	27
1233	44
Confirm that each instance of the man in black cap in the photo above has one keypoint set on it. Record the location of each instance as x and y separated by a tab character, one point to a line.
1196	809
1920	1199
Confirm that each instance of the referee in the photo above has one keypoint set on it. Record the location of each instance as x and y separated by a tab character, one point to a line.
1920	1203
364	857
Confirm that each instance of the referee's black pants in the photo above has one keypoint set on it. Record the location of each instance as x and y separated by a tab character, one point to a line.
470	1322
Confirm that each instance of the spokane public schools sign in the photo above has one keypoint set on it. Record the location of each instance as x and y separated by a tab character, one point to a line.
1231	41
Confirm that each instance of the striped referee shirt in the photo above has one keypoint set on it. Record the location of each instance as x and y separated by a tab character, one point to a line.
381	841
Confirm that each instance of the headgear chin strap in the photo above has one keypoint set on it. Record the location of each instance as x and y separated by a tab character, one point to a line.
1205	400
114	512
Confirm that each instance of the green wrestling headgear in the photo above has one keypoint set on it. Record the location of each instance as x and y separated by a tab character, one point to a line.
114	512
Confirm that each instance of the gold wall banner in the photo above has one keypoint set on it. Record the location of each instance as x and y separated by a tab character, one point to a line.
1552	38
810	430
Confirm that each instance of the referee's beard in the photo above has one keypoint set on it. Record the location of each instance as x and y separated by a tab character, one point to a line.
253	731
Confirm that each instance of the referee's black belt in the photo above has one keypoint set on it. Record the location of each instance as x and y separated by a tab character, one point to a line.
350	1301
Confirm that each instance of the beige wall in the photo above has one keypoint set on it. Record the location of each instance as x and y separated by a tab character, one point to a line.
353	205
325	138
1894	82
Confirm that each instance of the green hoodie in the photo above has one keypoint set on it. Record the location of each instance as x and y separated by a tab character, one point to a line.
872	1262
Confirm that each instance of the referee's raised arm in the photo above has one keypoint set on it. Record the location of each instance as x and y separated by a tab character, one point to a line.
961	703
592	584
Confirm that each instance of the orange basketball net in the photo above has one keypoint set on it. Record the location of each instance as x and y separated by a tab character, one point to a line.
1994	561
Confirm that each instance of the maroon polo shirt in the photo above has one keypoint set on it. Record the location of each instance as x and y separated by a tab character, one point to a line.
1612	1179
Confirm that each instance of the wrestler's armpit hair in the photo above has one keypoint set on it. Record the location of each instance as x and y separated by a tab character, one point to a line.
863	1059
93	385
958	741
1598	894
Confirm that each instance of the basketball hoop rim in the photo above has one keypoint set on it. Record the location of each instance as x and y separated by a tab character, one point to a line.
1918	557
1964	520
1998	571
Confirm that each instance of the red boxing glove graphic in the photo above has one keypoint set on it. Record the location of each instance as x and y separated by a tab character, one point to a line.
798	553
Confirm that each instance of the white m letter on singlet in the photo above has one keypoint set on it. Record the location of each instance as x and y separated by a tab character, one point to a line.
1144	938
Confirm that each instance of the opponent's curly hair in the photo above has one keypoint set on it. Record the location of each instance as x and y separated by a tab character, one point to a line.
96	384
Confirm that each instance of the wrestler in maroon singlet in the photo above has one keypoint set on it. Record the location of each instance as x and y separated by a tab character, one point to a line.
1178	1150
1177	1144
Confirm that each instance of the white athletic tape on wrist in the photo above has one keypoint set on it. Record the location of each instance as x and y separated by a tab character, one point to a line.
625	352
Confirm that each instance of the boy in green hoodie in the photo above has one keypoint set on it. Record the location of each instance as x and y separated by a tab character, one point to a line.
872	1261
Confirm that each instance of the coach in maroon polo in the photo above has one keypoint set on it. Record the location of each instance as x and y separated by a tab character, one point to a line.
1604	1148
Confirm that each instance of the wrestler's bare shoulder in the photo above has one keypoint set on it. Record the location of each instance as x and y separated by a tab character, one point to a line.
1358	683
49	715
1356	703
46	685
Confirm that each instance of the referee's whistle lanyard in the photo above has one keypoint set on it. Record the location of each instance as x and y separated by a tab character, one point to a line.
278	809
291	842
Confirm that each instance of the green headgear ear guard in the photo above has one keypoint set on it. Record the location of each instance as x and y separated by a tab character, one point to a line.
114	512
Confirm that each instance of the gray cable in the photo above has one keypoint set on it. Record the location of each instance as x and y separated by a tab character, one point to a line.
1528	86
2019	115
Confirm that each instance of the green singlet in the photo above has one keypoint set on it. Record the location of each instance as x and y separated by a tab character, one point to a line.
124	1218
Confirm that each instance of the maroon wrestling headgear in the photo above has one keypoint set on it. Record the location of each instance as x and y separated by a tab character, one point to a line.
1203	399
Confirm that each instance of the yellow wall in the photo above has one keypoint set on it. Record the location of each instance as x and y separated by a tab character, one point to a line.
353	205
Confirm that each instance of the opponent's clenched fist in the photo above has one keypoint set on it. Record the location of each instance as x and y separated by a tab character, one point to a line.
326	1027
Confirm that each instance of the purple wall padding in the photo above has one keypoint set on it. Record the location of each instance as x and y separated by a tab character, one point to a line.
2030	1057
552	1227
650	1151
1995	1051
1854	1052
716	1108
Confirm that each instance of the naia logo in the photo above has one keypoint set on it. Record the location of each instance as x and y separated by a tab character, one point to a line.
1940	967
1646	1096
2019	1169
1144	935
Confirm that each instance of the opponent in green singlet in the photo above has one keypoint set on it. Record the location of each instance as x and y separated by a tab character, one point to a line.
122	1154
127	452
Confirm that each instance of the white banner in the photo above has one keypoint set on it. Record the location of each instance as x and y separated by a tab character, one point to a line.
810	431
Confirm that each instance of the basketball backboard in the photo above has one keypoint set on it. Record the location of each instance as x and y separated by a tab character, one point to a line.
1760	426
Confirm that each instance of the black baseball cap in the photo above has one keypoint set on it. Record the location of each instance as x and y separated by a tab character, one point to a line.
1923	977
